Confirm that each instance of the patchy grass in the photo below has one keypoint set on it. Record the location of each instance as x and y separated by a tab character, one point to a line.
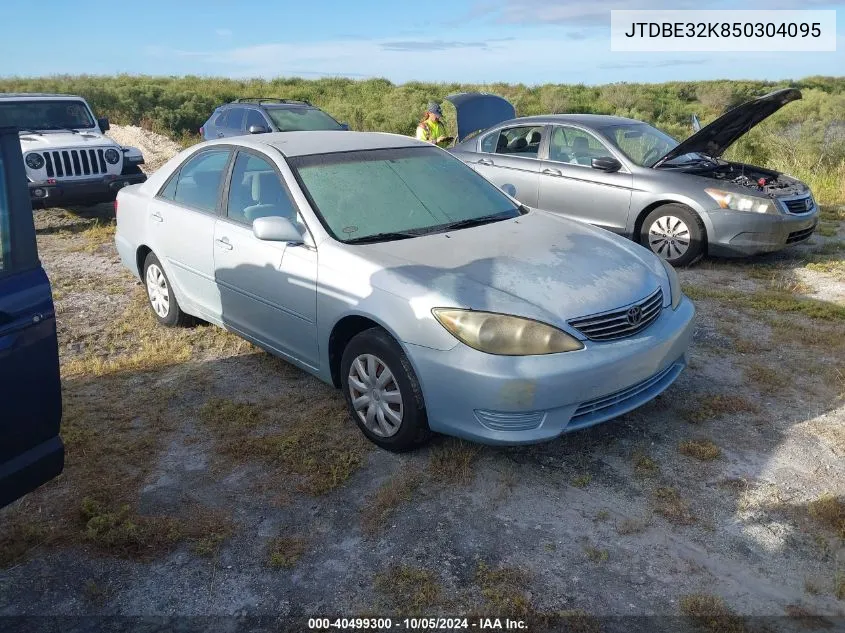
711	614
582	481
96	236
769	300
827	229
831	213
17	539
703	450
812	587
831	266
451	461
124	533
284	552
644	465
765	377
504	590
839	586
631	526
410	590
670	505
595	554
380	506
311	440
829	511
712	406
806	618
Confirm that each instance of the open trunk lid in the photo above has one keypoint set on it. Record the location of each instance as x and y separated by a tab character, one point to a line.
476	111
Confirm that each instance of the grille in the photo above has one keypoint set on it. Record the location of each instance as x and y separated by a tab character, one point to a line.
799	236
626	399
799	205
622	322
74	162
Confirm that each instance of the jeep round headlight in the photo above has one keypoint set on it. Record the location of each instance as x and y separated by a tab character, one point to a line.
504	334
34	161
112	157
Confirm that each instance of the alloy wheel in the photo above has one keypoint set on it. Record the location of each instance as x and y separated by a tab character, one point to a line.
669	237
157	291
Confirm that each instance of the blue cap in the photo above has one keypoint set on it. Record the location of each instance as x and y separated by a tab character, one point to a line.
434	108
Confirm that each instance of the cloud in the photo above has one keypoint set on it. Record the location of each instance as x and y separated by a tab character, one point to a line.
223	32
652	63
597	12
434	45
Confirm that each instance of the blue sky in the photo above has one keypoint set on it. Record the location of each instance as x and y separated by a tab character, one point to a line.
529	41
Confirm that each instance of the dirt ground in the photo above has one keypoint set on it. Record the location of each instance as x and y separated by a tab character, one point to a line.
205	477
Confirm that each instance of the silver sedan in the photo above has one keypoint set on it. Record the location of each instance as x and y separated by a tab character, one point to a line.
388	268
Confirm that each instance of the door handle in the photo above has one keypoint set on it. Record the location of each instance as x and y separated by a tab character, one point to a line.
484	161
224	243
220	135
157	217
551	172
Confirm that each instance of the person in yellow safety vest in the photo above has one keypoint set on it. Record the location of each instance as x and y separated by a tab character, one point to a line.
432	128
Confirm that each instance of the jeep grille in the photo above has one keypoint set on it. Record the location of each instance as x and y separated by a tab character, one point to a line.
73	162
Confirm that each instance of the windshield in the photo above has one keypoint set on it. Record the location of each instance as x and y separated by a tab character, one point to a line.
409	190
645	145
301	119
46	115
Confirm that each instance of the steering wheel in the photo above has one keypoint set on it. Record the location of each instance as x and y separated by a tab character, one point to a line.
652	152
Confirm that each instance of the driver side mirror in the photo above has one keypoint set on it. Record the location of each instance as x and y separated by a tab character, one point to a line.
258	129
103	124
606	163
344	126
276	229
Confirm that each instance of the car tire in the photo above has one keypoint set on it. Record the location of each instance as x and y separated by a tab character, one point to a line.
392	415
674	232
160	295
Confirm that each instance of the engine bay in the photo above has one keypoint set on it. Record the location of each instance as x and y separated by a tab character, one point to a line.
762	181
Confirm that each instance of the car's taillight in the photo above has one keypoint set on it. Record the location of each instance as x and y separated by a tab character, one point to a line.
202	131
115	207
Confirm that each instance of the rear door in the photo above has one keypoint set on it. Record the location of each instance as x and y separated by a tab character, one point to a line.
510	156
235	122
31	451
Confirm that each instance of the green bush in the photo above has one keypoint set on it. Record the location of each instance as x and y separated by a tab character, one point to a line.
805	139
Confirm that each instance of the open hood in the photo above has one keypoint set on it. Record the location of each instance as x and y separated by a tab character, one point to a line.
717	137
476	111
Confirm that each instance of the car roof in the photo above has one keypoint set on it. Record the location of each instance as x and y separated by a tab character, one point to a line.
588	120
321	141
36	95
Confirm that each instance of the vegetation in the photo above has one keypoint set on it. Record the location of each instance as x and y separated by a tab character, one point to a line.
805	139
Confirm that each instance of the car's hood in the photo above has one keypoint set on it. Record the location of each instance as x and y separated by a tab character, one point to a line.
539	266
717	137
476	111
47	140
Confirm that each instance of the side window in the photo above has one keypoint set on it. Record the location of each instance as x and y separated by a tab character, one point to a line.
235	119
520	141
220	119
254	117
574	146
256	191
169	191
197	184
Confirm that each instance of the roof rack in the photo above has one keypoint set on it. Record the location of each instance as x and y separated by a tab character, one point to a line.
260	100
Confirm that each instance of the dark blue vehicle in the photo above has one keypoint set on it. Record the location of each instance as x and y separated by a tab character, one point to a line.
266	114
31	451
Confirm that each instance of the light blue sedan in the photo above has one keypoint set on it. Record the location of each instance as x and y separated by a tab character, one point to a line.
388	268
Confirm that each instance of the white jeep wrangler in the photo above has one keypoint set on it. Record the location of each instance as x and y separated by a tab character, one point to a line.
68	158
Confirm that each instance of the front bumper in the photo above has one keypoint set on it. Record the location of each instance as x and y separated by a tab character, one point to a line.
521	400
82	190
739	234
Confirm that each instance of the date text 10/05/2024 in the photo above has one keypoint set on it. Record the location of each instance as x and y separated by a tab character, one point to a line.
386	624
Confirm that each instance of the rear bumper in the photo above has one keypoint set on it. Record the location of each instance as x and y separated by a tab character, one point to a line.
82	191
31	469
738	234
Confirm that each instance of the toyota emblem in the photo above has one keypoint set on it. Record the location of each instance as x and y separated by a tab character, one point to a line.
635	315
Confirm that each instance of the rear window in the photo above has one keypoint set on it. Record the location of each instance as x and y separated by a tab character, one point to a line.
301	119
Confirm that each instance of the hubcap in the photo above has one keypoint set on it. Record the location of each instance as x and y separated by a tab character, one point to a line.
375	395
669	237
157	291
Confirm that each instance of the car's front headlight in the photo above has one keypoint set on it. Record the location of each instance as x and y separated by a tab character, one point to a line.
112	156
674	284
740	202
504	334
34	161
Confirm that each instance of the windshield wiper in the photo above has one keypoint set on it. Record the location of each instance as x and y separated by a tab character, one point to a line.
26	130
383	237
465	224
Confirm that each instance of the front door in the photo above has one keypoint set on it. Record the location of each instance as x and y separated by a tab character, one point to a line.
569	185
268	290
31	451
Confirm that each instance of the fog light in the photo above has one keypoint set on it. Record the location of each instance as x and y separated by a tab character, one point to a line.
39	193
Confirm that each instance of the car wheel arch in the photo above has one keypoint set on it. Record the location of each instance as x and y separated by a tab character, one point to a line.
641	216
140	257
